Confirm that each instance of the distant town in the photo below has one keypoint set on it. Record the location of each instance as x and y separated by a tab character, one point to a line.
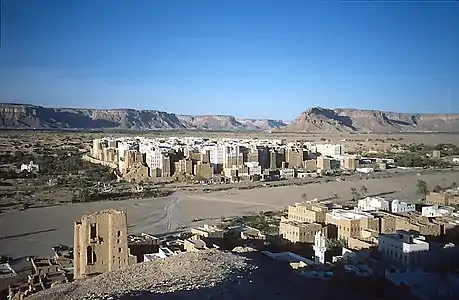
227	160
405	242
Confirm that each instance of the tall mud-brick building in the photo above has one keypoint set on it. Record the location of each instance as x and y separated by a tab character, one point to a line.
100	243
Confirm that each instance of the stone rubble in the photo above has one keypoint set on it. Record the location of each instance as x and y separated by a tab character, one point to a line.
183	272
240	249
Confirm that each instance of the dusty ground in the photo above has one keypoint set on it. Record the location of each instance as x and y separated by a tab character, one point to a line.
35	231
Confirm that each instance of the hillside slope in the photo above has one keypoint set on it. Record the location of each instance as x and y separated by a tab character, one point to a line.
319	119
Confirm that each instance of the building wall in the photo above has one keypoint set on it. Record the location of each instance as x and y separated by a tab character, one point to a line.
405	253
310	165
357	244
205	170
442	199
323	163
387	224
300	232
345	228
100	243
307	213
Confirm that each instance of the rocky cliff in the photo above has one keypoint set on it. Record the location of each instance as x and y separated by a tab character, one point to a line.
30	116
319	119
315	119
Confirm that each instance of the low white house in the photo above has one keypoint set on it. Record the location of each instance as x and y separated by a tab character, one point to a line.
287	173
435	211
365	170
373	203
401	207
163	252
31	167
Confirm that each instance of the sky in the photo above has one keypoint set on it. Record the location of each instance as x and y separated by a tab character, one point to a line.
248	58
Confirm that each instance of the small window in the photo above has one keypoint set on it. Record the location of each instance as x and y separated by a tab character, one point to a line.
93	231
90	256
119	250
119	233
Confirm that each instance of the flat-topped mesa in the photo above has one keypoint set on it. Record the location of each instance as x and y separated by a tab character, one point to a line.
318	119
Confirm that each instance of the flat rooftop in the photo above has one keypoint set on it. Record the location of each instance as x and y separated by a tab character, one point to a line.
300	224
343	214
208	228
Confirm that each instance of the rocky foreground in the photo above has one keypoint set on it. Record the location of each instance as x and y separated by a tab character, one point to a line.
209	274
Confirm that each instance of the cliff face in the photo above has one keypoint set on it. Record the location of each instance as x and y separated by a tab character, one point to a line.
30	116
315	119
353	120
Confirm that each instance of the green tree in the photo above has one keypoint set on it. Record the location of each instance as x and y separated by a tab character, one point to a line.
354	193
437	189
363	190
421	188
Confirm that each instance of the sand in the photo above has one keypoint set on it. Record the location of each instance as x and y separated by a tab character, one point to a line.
36	230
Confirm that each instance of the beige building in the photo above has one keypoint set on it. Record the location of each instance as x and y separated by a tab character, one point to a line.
167	166
205	157
110	155
414	221
184	165
349	224
349	163
273	164
294	157
131	158
137	172
100	243
194	243
204	170
323	163
310	212
297	232
310	165
233	160
436	154
442	198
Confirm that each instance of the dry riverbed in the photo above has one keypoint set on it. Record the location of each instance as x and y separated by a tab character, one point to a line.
35	231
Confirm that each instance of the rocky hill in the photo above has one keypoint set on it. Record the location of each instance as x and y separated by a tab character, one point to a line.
31	116
319	119
206	274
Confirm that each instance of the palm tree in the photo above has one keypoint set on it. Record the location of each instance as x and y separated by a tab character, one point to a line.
304	196
363	190
454	185
422	189
354	193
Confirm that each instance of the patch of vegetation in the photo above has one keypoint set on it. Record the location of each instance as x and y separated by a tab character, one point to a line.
86	195
265	222
422	189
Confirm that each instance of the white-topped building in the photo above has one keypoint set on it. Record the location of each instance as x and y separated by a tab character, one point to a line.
435	211
373	204
401	207
403	247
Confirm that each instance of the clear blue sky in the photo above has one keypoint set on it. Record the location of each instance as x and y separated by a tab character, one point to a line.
249	58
